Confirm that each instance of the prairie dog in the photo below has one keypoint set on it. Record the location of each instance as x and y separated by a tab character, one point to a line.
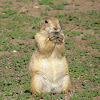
48	67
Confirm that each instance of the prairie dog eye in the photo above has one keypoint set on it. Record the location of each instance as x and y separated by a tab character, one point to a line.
46	21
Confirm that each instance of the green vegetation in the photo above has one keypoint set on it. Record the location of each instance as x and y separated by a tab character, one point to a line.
88	36
9	12
67	17
46	2
8	2
69	44
47	96
95	44
47	9
72	33
67	9
88	93
21	1
57	6
82	48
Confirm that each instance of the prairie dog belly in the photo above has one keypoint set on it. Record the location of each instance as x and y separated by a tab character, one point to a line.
52	87
53	69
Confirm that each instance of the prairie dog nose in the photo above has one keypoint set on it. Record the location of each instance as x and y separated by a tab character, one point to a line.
56	28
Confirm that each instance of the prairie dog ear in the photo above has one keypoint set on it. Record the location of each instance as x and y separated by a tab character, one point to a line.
40	24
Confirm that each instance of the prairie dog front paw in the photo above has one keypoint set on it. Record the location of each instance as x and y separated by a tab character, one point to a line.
59	38
51	37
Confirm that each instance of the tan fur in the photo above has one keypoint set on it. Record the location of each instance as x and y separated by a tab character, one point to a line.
48	67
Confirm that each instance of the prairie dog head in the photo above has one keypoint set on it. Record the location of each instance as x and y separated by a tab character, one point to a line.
50	25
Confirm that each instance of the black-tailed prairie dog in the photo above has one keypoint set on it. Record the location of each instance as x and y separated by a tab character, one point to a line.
48	67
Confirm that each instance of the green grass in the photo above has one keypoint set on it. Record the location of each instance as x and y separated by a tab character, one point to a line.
46	2
96	32
67	17
8	2
95	44
21	1
9	12
6	6
17	31
91	24
69	44
86	94
3	40
88	37
72	33
77	5
47	9
57	6
94	14
67	9
47	96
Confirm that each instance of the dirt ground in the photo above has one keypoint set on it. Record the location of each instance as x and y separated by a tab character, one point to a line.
36	10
